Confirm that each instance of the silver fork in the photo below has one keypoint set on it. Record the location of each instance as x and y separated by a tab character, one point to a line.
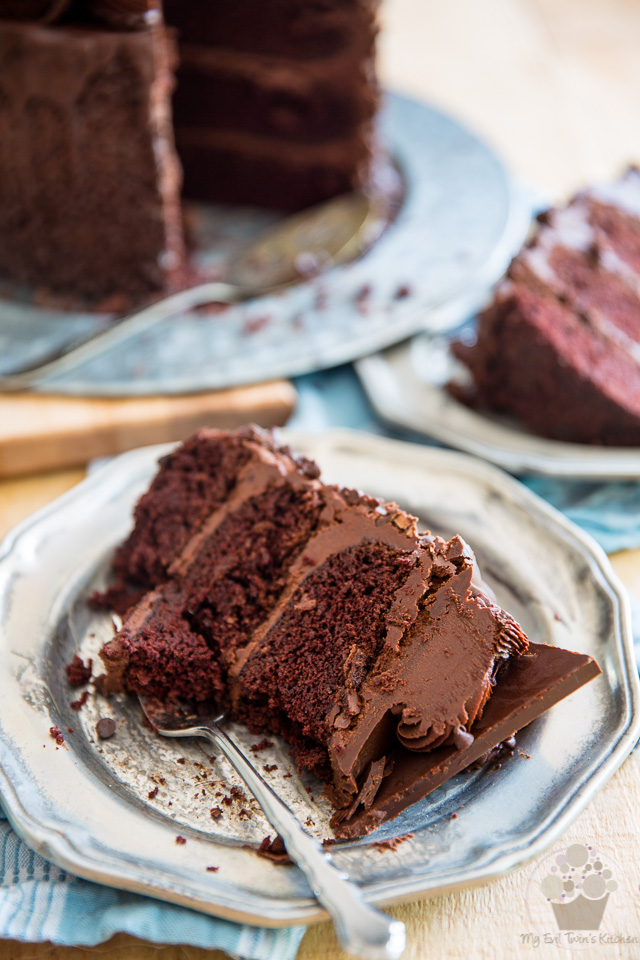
362	930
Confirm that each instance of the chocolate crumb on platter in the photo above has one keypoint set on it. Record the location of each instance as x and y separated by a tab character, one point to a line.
274	850
78	672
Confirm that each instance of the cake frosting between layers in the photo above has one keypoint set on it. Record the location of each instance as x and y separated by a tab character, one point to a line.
312	611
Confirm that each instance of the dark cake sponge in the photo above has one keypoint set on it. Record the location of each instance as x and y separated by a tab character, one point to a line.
559	347
317	613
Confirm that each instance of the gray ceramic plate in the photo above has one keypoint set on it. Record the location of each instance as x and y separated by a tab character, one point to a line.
86	804
461	222
406	386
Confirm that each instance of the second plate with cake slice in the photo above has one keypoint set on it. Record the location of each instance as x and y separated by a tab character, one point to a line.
556	352
407	386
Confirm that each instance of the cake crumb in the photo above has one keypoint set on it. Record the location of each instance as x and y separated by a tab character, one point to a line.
255	324
262	745
181	841
181	760
404	290
153	793
78	672
393	842
274	850
213	869
56	734
80	702
216	813
100	683
270	767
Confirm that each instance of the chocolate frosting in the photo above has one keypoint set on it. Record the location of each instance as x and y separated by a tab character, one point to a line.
431	688
44	11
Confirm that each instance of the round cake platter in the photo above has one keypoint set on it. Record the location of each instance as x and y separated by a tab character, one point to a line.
407	386
111	810
461	221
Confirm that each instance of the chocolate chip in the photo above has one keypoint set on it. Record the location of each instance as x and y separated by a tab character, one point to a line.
105	728
462	738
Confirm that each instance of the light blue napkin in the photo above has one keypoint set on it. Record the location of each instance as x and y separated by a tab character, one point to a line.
40	902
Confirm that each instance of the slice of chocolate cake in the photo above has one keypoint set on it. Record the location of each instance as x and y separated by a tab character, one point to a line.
559	347
321	614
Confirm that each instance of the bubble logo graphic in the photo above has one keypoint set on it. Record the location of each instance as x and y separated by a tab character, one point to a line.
576	884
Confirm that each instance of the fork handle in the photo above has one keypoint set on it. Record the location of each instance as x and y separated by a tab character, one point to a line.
362	930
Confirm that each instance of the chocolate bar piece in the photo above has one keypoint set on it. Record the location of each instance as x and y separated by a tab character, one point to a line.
529	685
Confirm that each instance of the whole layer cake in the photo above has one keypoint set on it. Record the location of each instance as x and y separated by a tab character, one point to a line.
320	614
559	347
274	106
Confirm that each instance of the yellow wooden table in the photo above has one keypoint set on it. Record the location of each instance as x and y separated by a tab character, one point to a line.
554	85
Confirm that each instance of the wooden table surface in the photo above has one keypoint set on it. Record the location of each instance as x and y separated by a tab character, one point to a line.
554	85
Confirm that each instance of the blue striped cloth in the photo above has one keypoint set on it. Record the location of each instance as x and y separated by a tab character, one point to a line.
40	902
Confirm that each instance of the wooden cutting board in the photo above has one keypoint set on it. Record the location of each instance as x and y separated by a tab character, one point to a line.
39	432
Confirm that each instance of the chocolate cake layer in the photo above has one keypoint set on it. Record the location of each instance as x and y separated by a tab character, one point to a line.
293	29
89	184
560	346
275	124
312	102
311	611
236	167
